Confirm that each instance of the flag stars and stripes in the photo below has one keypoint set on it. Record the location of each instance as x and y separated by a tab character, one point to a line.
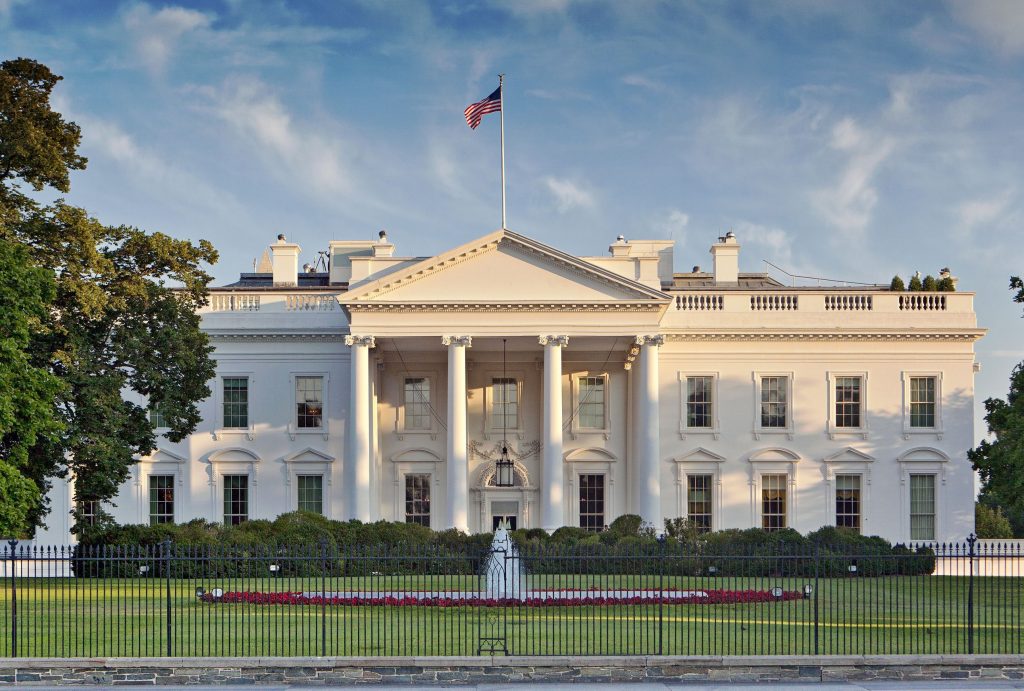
475	112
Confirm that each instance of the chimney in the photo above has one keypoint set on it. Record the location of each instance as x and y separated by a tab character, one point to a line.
620	248
726	255
285	261
383	247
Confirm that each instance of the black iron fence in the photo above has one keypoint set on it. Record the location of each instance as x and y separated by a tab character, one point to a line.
643	599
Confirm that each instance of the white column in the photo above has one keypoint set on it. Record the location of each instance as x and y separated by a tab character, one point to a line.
552	498
647	479
457	475
357	465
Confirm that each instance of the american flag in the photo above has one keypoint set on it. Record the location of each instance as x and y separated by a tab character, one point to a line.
475	112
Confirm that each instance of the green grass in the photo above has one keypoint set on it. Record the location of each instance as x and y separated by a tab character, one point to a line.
913	614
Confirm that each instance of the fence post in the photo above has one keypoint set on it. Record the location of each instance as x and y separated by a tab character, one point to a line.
817	569
971	540
166	548
323	597
13	544
661	594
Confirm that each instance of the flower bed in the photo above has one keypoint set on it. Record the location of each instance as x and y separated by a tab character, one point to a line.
565	599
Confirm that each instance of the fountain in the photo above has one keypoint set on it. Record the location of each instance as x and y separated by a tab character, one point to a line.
504	568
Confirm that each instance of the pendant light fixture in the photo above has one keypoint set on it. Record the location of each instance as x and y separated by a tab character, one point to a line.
503	476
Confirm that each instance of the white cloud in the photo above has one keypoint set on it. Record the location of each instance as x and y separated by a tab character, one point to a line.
765	242
301	152
568	194
155	35
640	81
850	202
975	214
1000	22
534	8
673	227
7	7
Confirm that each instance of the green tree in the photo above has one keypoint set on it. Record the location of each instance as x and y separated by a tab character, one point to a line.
929	283
897	284
115	324
1000	463
915	283
946	285
990	523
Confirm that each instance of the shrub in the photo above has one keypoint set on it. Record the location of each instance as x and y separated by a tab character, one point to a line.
929	284
946	285
915	283
990	523
897	284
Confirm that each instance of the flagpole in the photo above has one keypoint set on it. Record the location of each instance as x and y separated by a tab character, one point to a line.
501	93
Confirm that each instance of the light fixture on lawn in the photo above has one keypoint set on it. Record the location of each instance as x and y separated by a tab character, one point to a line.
504	468
274	568
808	591
712	570
143	570
200	591
776	592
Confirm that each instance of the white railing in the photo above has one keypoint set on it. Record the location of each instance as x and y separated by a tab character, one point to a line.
923	302
848	302
310	303
774	302
234	302
700	302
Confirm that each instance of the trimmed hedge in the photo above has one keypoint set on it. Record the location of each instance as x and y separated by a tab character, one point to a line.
305	544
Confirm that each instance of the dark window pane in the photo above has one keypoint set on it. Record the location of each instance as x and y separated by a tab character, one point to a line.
161	499
592	502
417	499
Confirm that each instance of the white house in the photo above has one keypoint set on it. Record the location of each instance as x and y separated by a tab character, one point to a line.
385	387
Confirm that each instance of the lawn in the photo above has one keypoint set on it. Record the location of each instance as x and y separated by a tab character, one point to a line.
908	614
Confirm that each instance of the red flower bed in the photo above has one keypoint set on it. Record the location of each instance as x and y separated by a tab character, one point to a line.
712	597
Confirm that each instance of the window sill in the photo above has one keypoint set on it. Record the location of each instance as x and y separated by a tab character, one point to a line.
837	432
712	432
909	432
774	431
401	434
305	431
577	433
233	432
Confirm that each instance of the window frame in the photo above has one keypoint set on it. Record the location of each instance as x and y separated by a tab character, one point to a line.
908	430
700	461
788	428
860	500
935	505
491	429
293	418
174	497
834	430
604	501
221	431
684	429
428	482
224	499
152	409
401	431
299	477
787	521
576	429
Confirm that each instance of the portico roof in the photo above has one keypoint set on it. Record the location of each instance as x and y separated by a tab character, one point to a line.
503	271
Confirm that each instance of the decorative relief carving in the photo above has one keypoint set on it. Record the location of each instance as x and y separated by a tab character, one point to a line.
553	340
353	340
466	341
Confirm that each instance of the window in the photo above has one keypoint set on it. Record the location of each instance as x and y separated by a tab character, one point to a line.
922	402
773	502
592	502
156	417
236	499
88	511
848	501
592	402
161	499
774	402
309	402
236	403
417	403
848	402
417	499
505	407
698	502
922	507
311	493
698	402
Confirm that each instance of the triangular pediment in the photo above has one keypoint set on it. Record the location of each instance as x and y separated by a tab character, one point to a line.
849	455
700	455
308	455
502	268
162	456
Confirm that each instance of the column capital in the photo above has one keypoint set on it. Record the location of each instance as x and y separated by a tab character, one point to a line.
466	341
561	341
650	339
353	340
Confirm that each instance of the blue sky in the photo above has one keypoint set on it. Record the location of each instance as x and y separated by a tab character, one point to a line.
841	139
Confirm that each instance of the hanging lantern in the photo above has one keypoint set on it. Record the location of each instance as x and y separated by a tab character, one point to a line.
504	475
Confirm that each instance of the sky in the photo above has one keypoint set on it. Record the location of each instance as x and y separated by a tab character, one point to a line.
850	140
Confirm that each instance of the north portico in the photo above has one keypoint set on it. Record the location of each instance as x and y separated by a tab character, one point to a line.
568	349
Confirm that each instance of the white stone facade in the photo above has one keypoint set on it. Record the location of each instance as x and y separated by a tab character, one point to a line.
722	396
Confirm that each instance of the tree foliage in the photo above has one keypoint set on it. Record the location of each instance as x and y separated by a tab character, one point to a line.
990	523
929	284
915	283
897	284
114	323
1000	463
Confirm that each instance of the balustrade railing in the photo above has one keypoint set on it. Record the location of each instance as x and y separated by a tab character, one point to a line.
774	302
848	302
922	302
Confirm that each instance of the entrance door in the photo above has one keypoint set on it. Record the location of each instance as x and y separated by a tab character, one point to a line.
505	511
